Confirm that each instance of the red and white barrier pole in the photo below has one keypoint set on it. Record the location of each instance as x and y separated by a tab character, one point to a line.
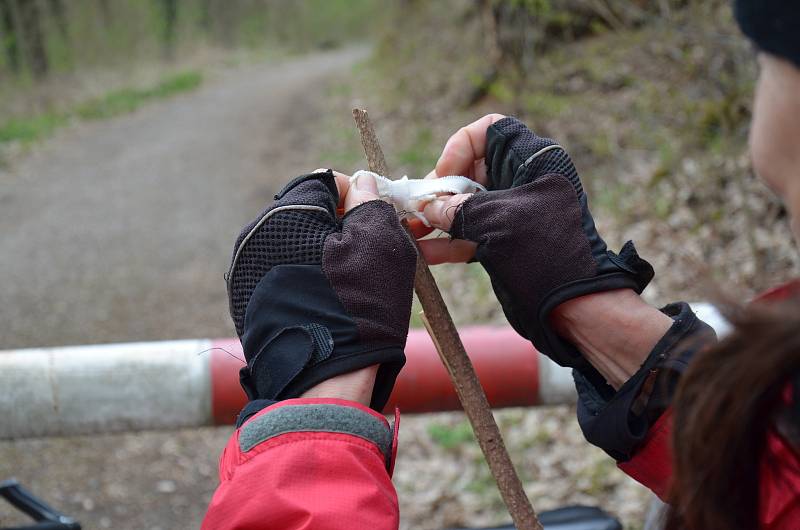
192	383
511	371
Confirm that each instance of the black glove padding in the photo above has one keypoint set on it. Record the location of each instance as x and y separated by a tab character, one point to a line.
313	296
537	239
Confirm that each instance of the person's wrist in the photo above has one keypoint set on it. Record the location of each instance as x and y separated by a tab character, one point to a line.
614	330
353	386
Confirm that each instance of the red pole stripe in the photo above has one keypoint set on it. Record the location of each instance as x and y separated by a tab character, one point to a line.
507	366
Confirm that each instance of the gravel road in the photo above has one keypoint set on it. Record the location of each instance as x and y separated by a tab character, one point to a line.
121	230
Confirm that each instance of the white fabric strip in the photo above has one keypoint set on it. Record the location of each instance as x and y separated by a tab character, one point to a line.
410	196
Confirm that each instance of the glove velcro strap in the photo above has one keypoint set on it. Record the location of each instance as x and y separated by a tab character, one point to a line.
319	417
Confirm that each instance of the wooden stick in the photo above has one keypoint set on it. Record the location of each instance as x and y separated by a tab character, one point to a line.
445	337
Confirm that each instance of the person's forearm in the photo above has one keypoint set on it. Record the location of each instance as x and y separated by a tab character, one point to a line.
354	386
614	330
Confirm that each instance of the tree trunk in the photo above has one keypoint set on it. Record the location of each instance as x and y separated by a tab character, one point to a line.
10	35
494	54
225	19
35	51
59	12
170	12
205	16
105	13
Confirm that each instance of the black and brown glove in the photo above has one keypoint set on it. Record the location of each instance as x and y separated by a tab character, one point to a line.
313	296
536	237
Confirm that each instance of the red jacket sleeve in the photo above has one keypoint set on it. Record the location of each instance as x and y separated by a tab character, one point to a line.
651	465
779	495
307	463
779	481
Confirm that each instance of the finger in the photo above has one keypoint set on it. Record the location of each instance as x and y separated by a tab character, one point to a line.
465	147
443	250
362	190
441	212
418	228
342	183
479	172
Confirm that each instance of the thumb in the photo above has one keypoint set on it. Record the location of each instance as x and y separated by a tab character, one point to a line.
364	189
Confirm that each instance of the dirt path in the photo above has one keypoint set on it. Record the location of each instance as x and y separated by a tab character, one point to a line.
121	230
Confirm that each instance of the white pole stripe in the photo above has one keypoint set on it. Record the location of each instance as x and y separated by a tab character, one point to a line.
709	314
104	388
556	386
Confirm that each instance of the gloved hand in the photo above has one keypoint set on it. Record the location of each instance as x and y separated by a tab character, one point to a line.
534	233
313	296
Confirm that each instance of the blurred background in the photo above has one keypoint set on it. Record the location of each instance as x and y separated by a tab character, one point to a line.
138	136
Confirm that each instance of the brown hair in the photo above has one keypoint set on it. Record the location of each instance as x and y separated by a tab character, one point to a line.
726	402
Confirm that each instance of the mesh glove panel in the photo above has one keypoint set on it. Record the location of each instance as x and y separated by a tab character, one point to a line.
313	296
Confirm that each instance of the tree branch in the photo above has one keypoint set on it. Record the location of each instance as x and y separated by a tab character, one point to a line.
445	337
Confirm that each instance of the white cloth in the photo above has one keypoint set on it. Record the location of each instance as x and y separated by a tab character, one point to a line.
409	196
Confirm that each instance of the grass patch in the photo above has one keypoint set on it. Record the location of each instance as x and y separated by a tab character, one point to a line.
27	130
416	318
484	484
342	150
451	436
542	105
421	155
129	99
598	475
612	197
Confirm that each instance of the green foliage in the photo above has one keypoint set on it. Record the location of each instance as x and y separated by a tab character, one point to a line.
129	99
419	157
107	33
416	319
29	129
611	196
483	483
451	436
598	476
546	104
479	280
721	117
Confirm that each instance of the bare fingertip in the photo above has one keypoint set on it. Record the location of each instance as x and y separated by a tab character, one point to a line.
366	182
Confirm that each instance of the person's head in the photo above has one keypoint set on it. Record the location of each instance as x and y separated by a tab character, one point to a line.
774	28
